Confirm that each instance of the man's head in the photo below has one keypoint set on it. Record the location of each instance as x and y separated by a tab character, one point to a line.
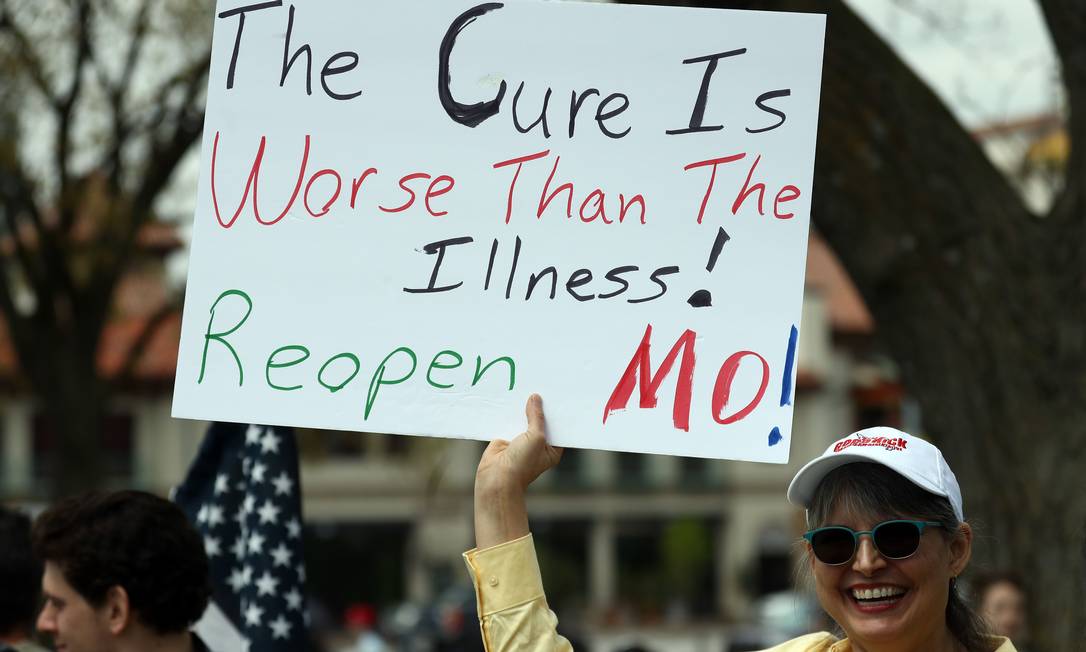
20	577
118	565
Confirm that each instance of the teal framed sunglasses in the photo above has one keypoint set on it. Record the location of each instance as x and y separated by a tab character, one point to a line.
897	539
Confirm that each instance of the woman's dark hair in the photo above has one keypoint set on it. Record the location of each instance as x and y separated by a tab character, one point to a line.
878	491
131	539
20	574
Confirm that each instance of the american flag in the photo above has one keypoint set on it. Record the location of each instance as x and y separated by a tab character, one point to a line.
243	495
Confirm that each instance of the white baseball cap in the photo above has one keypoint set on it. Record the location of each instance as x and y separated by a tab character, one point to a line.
913	458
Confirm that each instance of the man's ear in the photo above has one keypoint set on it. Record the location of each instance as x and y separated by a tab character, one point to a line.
116	610
961	549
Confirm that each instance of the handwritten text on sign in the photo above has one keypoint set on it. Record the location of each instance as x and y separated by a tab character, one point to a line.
412	214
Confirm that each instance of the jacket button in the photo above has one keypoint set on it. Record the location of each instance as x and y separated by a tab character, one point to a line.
493	581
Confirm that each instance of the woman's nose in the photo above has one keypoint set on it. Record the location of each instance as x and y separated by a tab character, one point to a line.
867	560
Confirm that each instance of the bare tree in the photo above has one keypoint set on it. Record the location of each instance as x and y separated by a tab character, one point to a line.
980	301
118	86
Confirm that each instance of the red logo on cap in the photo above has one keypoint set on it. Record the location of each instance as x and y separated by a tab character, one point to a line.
889	443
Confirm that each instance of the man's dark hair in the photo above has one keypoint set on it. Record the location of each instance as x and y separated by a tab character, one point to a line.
131	539
20	574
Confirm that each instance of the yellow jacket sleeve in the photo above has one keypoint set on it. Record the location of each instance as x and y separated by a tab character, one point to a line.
513	612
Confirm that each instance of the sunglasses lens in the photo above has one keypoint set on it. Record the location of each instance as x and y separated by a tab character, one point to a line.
897	540
833	545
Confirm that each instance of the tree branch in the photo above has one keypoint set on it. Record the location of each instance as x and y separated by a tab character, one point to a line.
17	194
189	79
117	91
14	205
163	158
27	55
18	326
82	16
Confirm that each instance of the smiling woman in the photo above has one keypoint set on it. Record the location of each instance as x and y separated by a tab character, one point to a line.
895	581
888	540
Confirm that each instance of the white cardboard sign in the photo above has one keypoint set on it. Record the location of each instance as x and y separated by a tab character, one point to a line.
413	213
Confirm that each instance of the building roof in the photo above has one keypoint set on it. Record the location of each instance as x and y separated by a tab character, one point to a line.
1042	123
154	369
847	311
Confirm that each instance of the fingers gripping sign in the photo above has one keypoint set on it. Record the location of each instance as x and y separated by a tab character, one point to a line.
505	471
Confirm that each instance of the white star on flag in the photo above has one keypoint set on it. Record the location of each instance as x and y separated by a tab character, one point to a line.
280	627
269	443
236	581
256	543
253	614
266	584
294	528
252	435
238	548
215	516
294	600
283	484
240	577
269	513
281	555
258	472
212	546
222	484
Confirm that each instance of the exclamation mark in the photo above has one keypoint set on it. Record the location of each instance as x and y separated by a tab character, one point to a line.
702	298
775	436
789	364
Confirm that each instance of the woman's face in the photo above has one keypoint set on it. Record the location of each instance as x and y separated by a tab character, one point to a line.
1004	608
908	605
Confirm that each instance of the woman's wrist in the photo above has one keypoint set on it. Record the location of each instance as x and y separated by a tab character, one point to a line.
500	514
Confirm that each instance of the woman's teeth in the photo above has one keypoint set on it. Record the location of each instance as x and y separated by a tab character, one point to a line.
877	594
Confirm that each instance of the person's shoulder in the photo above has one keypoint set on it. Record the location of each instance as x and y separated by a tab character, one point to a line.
1002	644
27	646
819	642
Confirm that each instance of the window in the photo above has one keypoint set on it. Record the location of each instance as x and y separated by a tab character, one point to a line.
633	470
571	469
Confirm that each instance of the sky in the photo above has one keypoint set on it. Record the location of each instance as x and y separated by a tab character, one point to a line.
991	61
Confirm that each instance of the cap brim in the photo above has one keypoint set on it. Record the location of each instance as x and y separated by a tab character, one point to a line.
803	485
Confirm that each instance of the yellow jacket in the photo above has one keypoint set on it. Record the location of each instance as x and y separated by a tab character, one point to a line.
826	642
514	616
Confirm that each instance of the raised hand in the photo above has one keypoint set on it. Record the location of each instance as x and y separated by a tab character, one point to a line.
505	471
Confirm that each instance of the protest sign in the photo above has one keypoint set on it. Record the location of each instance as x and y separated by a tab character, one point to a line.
412	214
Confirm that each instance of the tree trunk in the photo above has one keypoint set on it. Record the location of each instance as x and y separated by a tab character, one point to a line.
79	428
74	399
